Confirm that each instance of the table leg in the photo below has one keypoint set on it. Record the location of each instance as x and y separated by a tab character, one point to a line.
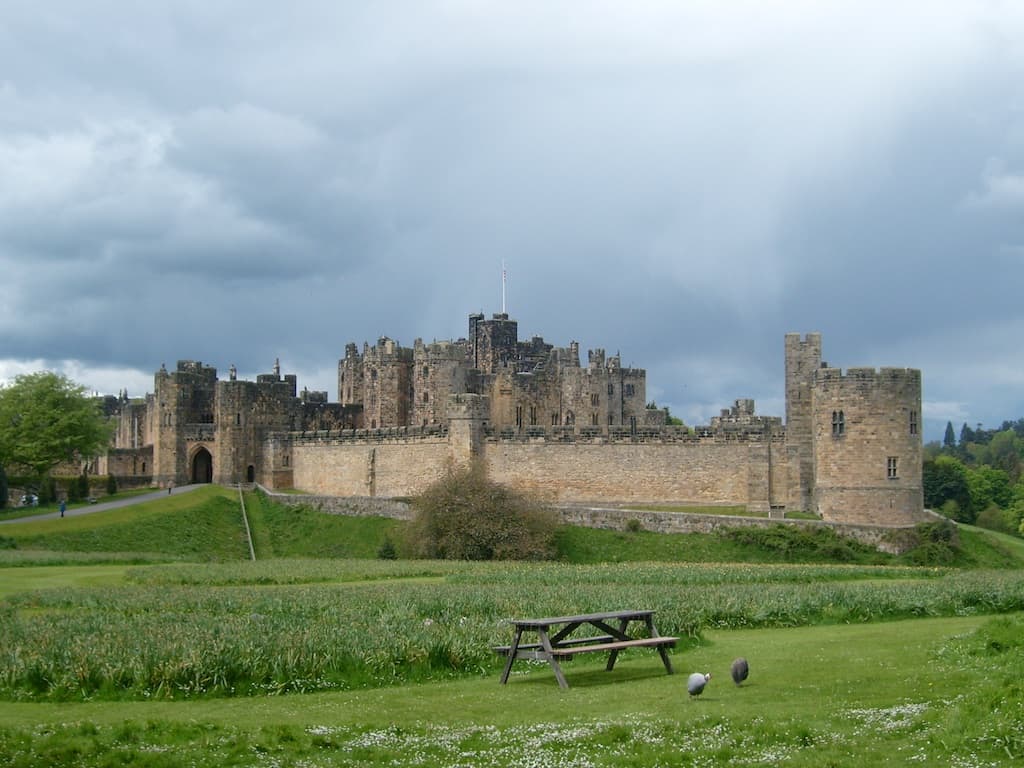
614	655
545	643
662	650
512	651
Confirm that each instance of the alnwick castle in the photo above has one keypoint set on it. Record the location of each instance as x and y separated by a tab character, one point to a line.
849	450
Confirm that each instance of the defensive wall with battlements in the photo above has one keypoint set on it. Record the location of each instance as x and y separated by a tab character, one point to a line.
849	451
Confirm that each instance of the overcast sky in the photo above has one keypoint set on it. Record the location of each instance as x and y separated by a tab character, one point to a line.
681	182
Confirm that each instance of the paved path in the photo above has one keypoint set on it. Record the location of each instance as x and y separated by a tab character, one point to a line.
103	506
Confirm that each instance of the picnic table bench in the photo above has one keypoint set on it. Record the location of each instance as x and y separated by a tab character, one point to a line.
556	639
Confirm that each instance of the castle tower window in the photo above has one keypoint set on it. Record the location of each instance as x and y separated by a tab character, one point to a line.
611	389
593	419
555	420
913	422
595	400
533	415
519	416
629	390
838	424
238	419
426	397
426	371
890	468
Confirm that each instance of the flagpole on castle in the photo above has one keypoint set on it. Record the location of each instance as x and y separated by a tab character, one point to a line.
503	275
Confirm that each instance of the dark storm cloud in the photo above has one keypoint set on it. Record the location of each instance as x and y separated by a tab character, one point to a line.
678	183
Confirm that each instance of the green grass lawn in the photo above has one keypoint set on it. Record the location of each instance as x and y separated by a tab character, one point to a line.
850	687
910	693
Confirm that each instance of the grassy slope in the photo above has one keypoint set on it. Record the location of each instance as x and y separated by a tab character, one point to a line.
284	531
206	525
203	525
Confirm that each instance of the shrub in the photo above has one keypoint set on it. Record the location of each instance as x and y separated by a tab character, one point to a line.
387	551
996	519
937	544
111	485
465	516
633	525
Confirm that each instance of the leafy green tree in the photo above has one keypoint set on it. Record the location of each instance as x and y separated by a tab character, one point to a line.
988	487
1005	451
945	479
4	489
46	419
465	516
949	440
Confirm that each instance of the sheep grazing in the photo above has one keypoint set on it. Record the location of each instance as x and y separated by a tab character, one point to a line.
740	669
695	685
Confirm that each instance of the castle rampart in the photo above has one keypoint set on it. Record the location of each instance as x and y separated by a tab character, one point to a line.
537	420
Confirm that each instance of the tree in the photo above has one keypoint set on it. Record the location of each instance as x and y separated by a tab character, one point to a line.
949	440
945	479
989	486
45	419
465	516
966	435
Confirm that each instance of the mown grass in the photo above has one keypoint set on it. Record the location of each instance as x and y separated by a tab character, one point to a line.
171	665
203	525
281	530
924	692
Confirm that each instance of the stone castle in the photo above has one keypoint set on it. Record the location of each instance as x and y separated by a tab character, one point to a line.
850	449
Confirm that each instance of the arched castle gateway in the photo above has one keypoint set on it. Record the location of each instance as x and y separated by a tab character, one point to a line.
850	448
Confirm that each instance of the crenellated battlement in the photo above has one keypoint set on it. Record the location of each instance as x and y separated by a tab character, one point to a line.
850	448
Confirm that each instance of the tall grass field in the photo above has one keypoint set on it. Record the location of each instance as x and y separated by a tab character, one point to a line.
144	636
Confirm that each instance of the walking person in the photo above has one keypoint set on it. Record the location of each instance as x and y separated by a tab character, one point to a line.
63	506
170	487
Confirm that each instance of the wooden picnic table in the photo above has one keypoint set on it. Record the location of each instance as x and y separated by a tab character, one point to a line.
557	639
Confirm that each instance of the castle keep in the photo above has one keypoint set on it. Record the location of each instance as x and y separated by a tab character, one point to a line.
850	448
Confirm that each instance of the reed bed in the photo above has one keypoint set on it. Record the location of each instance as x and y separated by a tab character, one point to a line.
171	635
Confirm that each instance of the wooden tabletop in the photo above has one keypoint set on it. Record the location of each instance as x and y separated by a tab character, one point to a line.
581	619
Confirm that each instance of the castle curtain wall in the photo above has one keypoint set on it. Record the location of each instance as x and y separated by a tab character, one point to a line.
369	467
711	473
701	472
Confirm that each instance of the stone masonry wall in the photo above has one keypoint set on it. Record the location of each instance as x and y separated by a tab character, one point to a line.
699	473
891	539
370	467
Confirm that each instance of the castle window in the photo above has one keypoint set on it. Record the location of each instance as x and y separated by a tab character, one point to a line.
555	420
629	390
611	389
593	419
373	374
285	457
890	468
595	400
426	397
632	425
533	416
519	416
426	371
913	422
238	419
838	424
